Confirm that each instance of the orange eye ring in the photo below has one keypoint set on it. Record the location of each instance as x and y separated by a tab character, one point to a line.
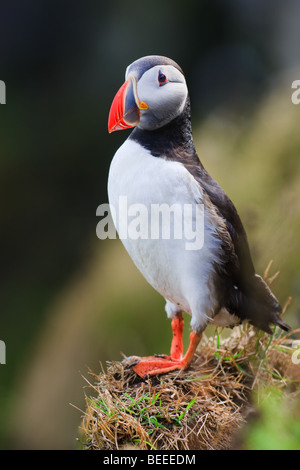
162	79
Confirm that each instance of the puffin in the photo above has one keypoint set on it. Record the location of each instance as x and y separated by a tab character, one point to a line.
213	281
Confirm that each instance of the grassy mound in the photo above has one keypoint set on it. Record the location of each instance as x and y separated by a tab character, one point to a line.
203	407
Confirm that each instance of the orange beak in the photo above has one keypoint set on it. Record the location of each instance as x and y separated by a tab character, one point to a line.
125	109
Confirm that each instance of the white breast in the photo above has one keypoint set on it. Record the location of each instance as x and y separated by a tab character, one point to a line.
181	275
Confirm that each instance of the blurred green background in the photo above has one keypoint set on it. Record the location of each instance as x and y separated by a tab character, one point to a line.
68	300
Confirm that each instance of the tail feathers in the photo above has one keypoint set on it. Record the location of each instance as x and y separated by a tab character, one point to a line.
284	326
256	303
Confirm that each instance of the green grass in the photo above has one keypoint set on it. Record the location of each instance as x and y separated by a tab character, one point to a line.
278	424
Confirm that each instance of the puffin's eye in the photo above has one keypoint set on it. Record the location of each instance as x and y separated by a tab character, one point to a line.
162	79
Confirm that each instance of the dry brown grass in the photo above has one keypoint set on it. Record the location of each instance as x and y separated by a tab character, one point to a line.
203	407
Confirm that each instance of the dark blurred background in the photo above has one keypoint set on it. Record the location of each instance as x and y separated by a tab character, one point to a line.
69	300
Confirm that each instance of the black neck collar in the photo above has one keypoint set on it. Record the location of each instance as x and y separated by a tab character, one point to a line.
173	136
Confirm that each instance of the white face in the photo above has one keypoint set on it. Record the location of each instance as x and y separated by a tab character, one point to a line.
165	99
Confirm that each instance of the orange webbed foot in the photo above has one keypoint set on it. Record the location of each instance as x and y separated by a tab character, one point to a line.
156	365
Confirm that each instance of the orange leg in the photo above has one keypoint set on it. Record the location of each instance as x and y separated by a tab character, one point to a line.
194	341
177	344
155	365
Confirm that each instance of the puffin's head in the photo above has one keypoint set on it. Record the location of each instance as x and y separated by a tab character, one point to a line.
153	94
